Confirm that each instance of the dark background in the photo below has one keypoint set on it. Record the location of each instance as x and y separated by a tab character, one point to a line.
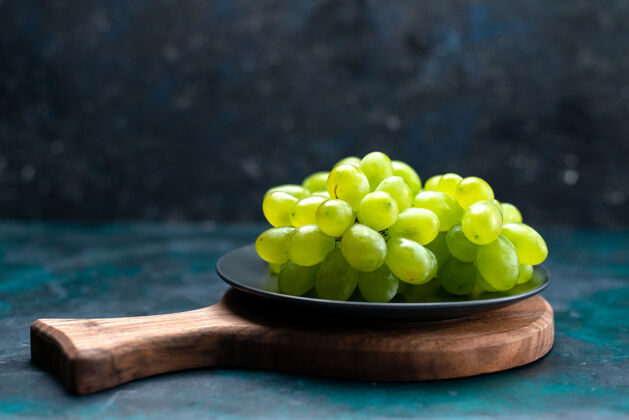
190	110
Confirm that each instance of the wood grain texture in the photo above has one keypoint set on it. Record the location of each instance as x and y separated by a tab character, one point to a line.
90	355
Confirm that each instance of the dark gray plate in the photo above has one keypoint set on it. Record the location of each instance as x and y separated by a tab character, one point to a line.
244	270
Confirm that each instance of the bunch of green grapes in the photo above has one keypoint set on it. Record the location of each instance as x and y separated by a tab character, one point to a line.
368	229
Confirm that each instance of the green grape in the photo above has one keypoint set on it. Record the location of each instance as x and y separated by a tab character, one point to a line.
334	217
275	268
379	285
347	182
277	207
350	160
377	167
445	207
511	213
397	188
296	279
336	280
482	283
378	210
316	182
323	194
272	244
447	184
296	191
473	189
435	264
526	272
409	261
304	211
363	248
419	225
459	246
458	277
309	246
529	244
440	249
482	222
432	183
498	263
409	175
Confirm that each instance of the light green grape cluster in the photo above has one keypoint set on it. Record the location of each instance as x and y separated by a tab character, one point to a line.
368	230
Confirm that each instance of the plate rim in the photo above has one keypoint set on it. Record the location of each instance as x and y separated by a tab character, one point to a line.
405	306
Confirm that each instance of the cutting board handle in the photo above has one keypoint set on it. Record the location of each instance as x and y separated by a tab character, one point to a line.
93	354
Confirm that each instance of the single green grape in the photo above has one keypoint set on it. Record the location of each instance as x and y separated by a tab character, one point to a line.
419	225
309	246
378	210
498	263
435	264
482	222
305	210
529	245
526	272
296	191
511	214
379	285
363	248
458	277
445	207
440	249
447	184
316	182
397	188
334	217
409	261
350	160
473	189
275	268
347	182
409	175
296	279
277	207
376	166
432	183
272	244
336	280
483	284
459	246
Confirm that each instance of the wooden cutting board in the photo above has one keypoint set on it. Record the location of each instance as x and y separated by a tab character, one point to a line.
90	355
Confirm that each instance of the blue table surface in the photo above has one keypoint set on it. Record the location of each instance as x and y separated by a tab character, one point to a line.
70	270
